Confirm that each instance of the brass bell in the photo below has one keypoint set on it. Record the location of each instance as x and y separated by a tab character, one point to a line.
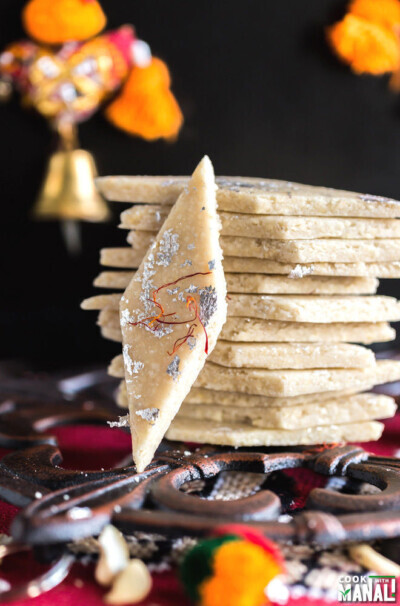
69	191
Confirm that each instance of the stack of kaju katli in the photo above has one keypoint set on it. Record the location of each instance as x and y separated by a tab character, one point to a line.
301	265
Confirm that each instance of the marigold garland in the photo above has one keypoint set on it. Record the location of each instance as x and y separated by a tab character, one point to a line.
366	47
56	22
384	12
66	71
146	107
71	70
367	38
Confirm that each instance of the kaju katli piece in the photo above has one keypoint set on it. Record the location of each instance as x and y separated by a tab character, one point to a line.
172	313
126	257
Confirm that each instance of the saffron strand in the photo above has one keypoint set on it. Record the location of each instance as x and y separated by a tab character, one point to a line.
183	340
189	304
152	322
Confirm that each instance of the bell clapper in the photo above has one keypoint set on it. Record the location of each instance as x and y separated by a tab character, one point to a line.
72	236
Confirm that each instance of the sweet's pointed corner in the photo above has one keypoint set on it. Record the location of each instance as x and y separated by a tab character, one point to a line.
140	462
204	173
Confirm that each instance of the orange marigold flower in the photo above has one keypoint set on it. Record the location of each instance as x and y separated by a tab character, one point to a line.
242	570
384	12
366	47
58	21
146	107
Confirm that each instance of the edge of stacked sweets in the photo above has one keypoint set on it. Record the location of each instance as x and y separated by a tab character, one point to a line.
302	265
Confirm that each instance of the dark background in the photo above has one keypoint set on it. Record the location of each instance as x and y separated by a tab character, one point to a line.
262	95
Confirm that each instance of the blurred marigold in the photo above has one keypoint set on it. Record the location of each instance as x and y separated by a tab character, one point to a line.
57	22
146	107
367	47
384	12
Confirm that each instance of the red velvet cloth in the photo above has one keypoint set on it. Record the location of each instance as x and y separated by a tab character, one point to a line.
96	447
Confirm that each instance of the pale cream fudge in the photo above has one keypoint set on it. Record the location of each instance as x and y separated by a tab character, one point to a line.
274	383
172	312
297	298
254	196
264	331
129	258
264	284
385	371
283	382
331	250
243	434
350	409
271	227
292	355
150	218
292	308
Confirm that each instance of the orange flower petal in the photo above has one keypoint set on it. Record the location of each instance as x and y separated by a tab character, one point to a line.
146	107
58	21
384	12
